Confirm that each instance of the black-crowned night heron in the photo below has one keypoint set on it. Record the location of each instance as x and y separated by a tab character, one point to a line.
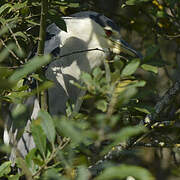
89	38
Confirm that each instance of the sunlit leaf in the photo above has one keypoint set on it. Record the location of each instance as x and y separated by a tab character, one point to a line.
130	68
151	68
122	85
144	110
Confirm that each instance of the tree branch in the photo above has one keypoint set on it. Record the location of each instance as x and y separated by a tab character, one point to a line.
42	36
165	101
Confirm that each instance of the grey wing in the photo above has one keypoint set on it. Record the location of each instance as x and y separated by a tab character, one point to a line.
62	71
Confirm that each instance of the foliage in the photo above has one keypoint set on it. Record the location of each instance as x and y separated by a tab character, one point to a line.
114	104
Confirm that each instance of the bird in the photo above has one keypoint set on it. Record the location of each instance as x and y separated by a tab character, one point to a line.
86	43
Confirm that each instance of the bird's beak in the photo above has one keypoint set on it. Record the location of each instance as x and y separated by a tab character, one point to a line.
120	46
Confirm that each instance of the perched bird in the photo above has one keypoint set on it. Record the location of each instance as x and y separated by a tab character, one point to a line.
89	38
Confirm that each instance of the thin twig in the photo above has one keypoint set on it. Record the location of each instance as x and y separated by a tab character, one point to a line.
20	49
52	156
64	55
79	51
173	36
155	145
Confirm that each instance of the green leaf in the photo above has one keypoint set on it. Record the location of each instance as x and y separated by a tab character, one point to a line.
31	66
47	125
37	77
86	78
161	14
74	5
123	171
32	22
144	110
127	84
45	85
4	7
133	2
19	5
130	68
39	137
5	168
38	161
151	68
138	84
21	34
97	73
102	105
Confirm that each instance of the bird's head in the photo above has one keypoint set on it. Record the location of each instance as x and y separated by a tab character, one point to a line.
108	33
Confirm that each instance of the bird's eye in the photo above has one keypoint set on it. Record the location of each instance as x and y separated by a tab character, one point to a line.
108	32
